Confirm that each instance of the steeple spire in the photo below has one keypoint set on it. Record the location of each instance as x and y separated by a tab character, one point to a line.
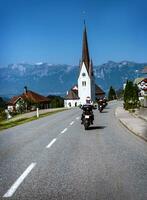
85	50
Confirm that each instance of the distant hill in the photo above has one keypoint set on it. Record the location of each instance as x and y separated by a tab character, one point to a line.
51	79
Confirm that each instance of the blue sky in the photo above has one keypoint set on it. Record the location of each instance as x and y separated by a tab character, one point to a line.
51	30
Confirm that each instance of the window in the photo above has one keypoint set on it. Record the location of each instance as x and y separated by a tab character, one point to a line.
83	83
83	74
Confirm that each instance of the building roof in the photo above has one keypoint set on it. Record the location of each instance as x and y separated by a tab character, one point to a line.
34	97
144	71
29	96
75	87
138	80
144	80
72	95
13	100
85	50
98	90
85	54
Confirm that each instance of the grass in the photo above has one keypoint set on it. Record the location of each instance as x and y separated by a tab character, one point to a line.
5	124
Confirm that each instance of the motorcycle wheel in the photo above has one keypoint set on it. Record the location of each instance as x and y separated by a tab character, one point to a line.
86	125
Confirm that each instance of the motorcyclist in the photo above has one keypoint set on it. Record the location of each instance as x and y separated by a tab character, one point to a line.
88	106
100	101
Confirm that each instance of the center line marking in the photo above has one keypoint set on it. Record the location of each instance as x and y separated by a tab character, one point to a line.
14	187
51	143
72	123
77	118
64	130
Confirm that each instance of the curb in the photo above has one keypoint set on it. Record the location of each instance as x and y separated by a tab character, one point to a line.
135	133
142	118
129	128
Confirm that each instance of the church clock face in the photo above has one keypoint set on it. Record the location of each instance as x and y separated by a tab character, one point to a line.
83	74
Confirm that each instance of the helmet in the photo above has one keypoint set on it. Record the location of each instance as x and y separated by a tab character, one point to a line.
88	100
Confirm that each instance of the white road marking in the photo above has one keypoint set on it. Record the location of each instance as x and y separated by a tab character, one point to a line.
14	187
64	130
72	123
51	143
77	118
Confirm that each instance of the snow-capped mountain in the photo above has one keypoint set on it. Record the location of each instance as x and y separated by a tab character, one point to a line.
48	79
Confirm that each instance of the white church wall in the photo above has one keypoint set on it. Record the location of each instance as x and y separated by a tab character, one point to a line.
84	90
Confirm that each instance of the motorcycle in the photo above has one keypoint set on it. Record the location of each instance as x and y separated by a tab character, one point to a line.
100	107
87	116
102	103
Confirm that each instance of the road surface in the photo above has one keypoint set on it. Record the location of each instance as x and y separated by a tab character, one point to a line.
54	158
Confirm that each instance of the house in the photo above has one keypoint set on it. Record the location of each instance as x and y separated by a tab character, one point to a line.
143	90
142	86
29	100
144	71
86	86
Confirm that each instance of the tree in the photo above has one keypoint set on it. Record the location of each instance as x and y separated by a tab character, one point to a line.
120	93
2	103
21	106
111	94
56	101
131	99
2	109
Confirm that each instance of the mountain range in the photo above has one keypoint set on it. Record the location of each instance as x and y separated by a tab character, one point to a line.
50	79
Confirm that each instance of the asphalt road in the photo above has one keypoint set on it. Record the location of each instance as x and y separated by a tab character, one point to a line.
55	158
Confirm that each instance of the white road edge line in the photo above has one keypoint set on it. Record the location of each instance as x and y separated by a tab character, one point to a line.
17	183
72	123
51	143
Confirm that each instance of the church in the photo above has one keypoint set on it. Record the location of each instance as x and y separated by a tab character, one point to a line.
86	86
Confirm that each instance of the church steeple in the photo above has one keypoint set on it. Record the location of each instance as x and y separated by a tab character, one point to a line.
86	80
85	50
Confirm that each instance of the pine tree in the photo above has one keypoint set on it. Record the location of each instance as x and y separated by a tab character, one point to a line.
130	96
111	94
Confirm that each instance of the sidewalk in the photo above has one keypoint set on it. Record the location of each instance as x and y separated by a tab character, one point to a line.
136	123
141	113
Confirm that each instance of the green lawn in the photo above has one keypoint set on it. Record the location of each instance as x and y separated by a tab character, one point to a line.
8	124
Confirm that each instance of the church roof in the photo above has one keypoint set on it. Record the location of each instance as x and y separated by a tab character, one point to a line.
85	54
72	95
98	90
85	50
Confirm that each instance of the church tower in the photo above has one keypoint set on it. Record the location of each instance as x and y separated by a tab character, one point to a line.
86	81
